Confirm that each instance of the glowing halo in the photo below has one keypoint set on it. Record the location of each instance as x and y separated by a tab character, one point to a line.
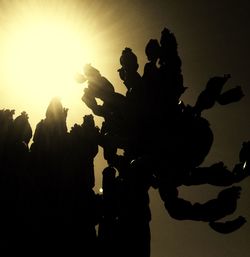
43	46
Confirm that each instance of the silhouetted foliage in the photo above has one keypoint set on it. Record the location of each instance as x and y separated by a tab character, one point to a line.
49	206
159	155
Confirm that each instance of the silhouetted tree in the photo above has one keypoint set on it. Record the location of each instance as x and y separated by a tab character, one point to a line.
166	144
150	139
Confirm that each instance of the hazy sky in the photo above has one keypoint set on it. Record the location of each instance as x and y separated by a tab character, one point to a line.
213	39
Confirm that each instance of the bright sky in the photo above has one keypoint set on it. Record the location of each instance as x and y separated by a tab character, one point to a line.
43	44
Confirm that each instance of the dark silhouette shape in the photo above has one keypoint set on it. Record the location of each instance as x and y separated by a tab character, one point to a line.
212	93
83	146
164	157
80	200
228	226
109	221
15	136
64	179
47	190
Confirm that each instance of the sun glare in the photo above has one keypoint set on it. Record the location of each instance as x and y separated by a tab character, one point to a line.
44	44
43	57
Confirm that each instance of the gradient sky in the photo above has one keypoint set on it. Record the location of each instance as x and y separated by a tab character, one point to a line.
213	39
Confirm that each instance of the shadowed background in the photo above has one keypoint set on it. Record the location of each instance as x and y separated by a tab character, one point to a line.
213	39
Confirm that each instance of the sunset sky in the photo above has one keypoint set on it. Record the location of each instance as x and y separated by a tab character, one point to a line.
44	43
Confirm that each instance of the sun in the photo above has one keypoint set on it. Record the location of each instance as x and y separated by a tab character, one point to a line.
43	47
43	57
44	44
